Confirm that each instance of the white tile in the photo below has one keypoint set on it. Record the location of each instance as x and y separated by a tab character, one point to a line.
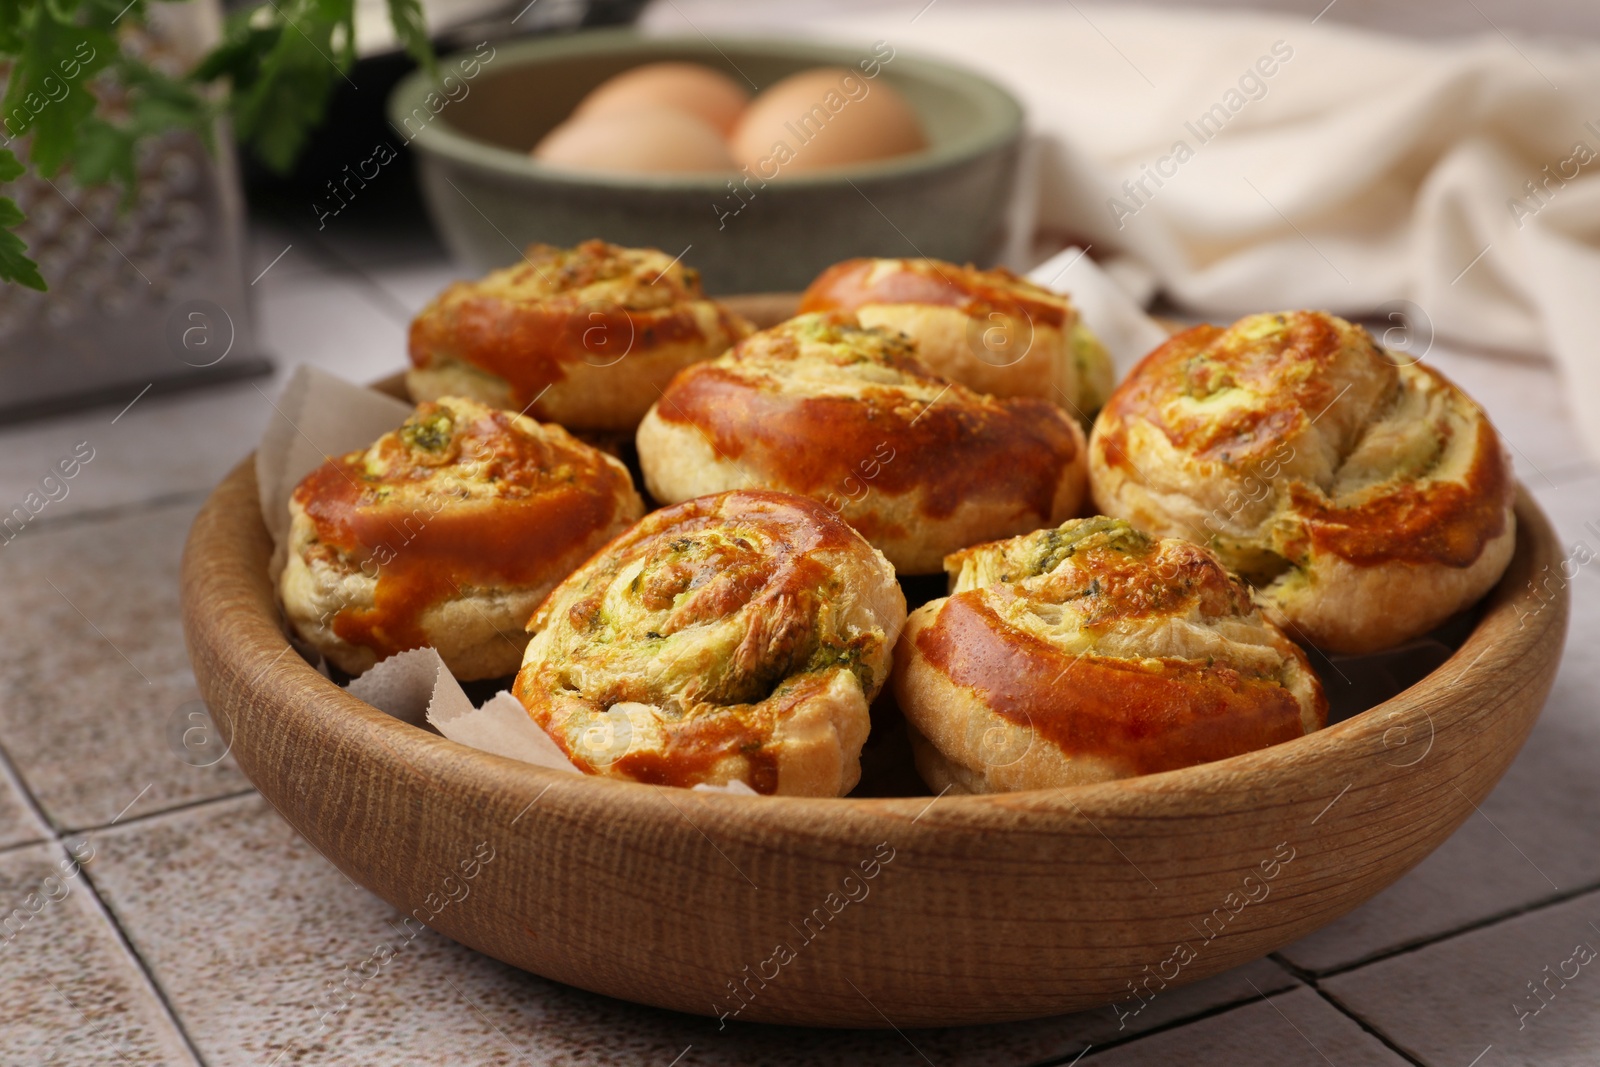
413	286
18	823
161	447
334	321
96	693
72	994
1295	1029
1574	508
1449	1002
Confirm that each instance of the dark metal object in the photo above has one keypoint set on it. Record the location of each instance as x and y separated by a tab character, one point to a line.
148	293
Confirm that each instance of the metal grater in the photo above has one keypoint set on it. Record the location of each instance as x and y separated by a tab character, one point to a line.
145	293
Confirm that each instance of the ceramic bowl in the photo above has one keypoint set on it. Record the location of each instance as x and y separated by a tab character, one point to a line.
489	198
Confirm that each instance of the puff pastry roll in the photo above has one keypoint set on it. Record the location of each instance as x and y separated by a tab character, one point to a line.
586	336
848	415
737	637
990	330
1364	496
1093	652
447	533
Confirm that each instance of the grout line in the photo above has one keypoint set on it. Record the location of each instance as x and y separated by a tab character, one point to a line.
139	962
30	801
1172	1024
6	850
1384	955
1311	980
9	771
1292	1025
111	512
1388	1042
143	817
134	401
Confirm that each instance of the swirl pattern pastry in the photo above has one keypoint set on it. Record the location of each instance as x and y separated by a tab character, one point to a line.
1093	652
447	533
990	330
586	336
1366	498
738	637
848	415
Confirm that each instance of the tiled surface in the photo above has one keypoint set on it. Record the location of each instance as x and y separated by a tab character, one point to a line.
18	823
1292	1030
282	925
72	993
241	926
91	685
1528	988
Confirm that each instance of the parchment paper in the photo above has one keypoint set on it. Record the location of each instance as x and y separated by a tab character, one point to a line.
1107	309
321	416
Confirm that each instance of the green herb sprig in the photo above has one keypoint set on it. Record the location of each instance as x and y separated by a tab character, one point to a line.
85	103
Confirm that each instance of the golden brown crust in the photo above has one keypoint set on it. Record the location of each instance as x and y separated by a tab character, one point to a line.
850	416
734	637
1367	498
857	283
1092	652
990	330
446	533
585	336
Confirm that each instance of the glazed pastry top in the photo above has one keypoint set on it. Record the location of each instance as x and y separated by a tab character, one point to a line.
595	303
1098	636
856	283
810	399
702	629
1295	433
460	498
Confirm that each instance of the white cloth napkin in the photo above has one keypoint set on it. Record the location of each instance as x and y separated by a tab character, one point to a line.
1109	312
1339	169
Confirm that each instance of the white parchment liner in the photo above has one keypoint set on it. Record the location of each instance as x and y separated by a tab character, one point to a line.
321	416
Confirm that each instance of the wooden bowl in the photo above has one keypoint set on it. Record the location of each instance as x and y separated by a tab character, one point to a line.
913	911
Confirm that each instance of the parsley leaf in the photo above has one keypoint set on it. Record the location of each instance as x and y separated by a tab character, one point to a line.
47	93
15	266
282	62
412	31
83	103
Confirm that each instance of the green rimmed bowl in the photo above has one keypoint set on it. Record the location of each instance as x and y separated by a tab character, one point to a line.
488	197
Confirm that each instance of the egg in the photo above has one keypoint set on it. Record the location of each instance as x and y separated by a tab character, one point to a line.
654	140
701	91
826	117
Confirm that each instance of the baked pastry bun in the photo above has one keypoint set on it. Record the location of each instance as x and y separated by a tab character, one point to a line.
990	330
737	637
1092	652
848	415
586	336
1366	498
447	533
